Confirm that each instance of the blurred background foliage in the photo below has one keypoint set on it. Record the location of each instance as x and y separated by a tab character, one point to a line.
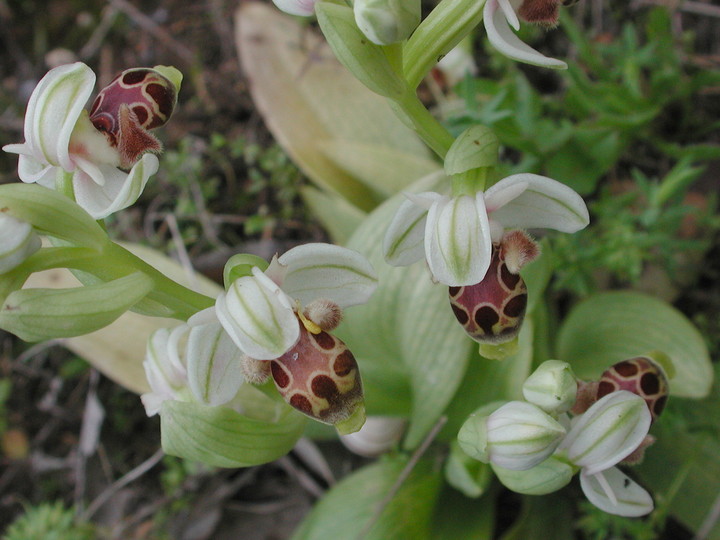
633	125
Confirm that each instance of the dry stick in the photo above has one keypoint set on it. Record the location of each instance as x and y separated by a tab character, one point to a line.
120	483
147	24
403	475
182	253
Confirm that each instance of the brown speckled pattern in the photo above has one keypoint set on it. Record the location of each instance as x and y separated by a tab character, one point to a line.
135	101
641	376
319	377
491	311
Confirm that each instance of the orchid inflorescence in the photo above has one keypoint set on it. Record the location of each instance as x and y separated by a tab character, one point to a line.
275	321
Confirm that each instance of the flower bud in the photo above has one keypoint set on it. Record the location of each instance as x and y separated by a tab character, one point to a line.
516	436
136	101
552	387
493	310
319	377
608	432
387	21
18	241
641	376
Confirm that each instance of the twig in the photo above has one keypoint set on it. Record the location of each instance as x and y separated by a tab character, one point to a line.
403	475
181	251
121	482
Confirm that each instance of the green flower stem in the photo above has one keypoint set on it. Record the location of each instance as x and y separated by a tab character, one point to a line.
469	182
432	132
445	27
182	301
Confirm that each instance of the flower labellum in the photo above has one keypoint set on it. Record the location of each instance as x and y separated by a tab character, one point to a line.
136	101
641	376
319	377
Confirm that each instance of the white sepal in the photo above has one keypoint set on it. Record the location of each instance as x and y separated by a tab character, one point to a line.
18	241
506	41
303	8
542	203
164	370
312	271
258	316
117	189
213	361
615	493
611	429
404	241
458	245
520	435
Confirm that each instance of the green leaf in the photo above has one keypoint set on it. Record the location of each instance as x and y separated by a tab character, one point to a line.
467	475
338	216
410	324
614	326
303	92
543	518
365	60
353	507
38	314
385	169
476	147
223	437
461	518
51	213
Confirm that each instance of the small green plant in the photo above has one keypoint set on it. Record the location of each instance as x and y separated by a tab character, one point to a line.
49	521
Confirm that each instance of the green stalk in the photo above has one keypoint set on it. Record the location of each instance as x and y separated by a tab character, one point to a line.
432	132
444	28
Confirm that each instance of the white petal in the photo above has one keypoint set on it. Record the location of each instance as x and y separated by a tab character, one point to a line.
611	429
404	241
31	170
258	317
543	203
164	375
213	363
505	41
509	12
304	8
631	500
53	110
152	402
458	246
314	271
119	189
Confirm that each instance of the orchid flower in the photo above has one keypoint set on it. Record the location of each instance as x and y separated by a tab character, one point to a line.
455	235
500	15
194	361
610	430
61	138
284	316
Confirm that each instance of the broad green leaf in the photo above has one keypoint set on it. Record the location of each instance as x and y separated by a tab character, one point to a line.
543	518
410	324
461	518
363	58
614	326
353	508
303	92
385	169
682	469
223	437
338	217
39	314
